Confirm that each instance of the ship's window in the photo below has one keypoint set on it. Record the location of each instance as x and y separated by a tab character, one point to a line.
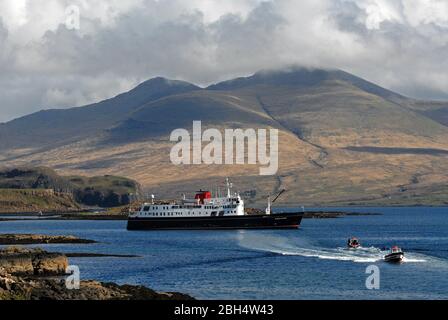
146	208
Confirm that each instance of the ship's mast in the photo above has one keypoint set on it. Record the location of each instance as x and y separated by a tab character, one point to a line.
228	187
268	208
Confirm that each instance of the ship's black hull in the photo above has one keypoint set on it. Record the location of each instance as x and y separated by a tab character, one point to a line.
273	221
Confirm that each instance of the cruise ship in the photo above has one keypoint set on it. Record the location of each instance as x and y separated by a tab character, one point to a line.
207	212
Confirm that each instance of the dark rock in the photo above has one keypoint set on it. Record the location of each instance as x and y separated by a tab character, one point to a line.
22	261
19	239
26	288
19	268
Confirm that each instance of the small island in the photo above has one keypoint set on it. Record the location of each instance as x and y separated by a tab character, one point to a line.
22	239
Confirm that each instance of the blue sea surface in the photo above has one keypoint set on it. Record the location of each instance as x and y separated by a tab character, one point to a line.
309	263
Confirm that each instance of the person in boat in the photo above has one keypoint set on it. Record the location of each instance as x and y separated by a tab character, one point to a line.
353	243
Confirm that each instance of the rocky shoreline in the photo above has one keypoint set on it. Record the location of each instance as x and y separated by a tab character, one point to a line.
35	274
335	214
24	261
122	217
22	239
317	214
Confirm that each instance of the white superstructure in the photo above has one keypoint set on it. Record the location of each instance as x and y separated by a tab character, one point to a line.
203	205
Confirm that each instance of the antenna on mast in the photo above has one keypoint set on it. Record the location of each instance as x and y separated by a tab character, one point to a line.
268	208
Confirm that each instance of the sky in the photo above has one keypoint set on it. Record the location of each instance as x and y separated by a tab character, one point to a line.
49	60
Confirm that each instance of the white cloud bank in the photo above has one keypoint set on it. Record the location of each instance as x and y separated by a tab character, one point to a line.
402	45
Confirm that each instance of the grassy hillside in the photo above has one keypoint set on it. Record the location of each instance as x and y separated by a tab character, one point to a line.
35	200
33	178
342	139
105	191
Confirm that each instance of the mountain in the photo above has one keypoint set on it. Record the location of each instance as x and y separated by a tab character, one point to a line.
343	140
57	127
303	77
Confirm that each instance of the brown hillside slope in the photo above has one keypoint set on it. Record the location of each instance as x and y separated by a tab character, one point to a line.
342	140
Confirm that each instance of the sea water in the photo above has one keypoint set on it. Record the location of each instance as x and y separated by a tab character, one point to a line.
310	263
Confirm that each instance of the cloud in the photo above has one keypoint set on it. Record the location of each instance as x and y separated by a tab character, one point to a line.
401	45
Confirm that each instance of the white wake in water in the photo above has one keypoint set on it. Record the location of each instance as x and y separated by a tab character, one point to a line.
301	247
